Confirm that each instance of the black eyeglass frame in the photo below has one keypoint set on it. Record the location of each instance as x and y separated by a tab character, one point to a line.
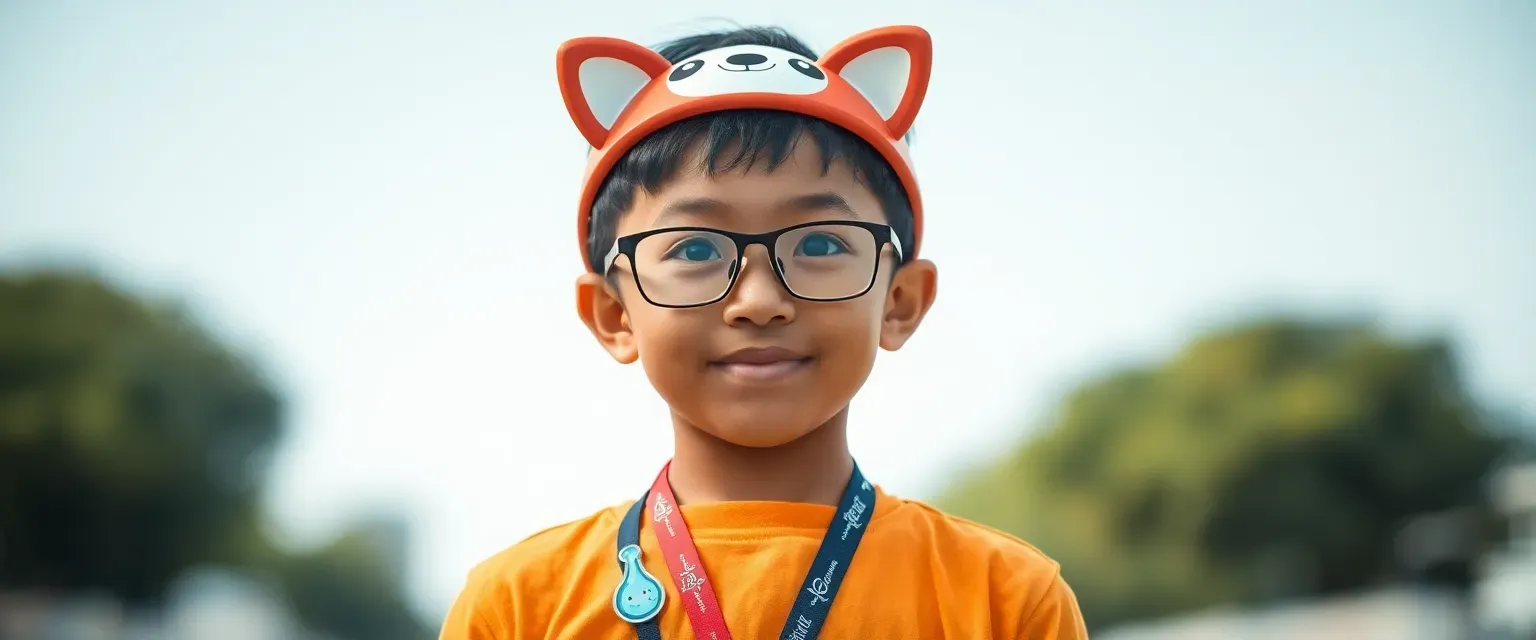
625	246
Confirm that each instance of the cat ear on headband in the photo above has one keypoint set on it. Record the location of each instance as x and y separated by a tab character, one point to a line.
598	79
890	66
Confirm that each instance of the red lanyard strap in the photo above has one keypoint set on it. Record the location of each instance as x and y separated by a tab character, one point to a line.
698	595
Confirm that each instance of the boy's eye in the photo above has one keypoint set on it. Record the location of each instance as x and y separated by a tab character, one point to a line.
694	250
819	245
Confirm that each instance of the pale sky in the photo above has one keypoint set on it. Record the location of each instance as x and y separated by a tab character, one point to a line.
377	202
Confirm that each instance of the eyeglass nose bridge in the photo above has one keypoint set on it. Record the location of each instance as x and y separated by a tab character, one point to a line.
739	265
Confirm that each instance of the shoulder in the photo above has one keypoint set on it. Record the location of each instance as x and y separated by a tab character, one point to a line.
972	541
1025	589
531	563
505	590
552	545
1020	577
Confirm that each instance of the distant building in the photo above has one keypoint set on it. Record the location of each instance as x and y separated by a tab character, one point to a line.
202	604
1392	614
39	616
211	603
1501	606
1505	596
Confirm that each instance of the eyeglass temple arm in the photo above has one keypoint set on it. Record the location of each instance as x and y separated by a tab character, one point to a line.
613	254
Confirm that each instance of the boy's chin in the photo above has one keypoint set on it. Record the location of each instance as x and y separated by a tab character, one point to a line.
761	430
763	437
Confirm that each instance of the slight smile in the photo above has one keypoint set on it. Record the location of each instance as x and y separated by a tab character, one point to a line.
761	364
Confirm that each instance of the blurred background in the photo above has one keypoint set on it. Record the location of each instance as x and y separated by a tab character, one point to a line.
287	340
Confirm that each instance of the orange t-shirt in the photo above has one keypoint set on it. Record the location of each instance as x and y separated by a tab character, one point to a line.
918	574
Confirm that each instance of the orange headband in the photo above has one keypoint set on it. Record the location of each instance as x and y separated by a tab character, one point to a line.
871	84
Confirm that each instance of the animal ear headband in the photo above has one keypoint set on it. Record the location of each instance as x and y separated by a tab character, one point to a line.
871	84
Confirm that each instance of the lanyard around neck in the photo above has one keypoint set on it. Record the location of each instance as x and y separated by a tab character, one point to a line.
640	597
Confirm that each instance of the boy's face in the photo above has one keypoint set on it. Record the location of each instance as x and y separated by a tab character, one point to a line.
759	367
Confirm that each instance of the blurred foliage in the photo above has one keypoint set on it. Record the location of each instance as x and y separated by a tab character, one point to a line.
134	446
131	445
1271	460
348	589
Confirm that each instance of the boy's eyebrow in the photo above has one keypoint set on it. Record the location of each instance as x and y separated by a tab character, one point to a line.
818	201
691	206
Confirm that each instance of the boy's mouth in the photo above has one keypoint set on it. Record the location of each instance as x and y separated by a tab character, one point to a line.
761	364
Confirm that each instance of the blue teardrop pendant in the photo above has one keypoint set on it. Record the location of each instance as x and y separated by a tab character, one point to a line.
639	596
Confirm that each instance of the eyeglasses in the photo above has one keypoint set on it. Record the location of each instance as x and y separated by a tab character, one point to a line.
681	267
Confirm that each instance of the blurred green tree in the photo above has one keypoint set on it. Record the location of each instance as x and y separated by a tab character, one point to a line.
131	444
134	446
1274	459
350	589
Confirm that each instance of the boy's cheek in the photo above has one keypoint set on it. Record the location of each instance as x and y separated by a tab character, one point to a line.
673	333
856	320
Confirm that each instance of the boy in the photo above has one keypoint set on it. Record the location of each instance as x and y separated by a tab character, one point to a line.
749	225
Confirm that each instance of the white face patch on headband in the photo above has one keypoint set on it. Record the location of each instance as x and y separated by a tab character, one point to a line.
746	68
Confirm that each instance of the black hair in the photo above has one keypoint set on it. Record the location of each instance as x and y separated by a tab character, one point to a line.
737	140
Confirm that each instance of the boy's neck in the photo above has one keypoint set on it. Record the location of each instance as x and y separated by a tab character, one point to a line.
813	469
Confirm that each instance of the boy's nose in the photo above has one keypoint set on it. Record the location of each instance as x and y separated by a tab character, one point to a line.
758	297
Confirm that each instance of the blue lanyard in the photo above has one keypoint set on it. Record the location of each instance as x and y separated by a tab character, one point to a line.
821	582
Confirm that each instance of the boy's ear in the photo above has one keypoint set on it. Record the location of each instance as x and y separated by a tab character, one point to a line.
913	288
890	66
598	79
599	307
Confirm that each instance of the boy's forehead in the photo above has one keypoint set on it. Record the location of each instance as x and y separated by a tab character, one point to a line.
754	199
